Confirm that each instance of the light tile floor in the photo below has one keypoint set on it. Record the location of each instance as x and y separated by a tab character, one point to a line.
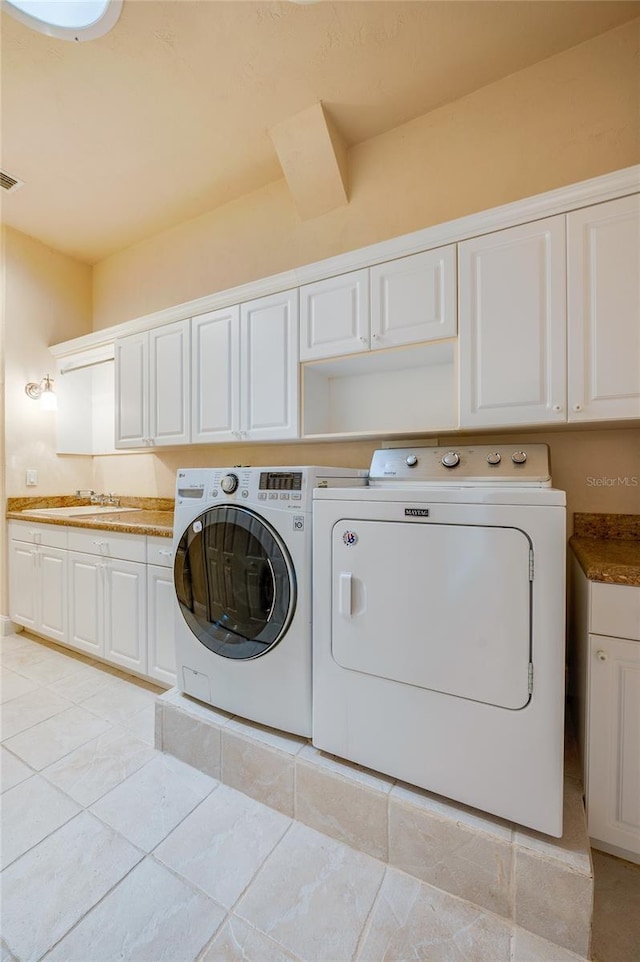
113	851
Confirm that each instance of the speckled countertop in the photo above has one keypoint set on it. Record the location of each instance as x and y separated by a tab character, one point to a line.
608	547
153	516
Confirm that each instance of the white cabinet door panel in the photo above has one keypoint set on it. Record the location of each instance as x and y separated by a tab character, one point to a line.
334	316
603	244
269	353
613	788
23	584
132	391
414	298
86	603
161	601
52	563
125	614
169	378
215	373
513	326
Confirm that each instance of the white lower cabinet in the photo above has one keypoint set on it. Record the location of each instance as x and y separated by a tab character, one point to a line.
38	579
605	625
86	603
109	595
161	602
107	608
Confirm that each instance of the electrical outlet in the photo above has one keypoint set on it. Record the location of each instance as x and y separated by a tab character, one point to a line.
32	476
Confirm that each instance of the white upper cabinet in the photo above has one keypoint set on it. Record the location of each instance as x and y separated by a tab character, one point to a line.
334	316
152	387
414	298
512	291
603	251
169	378
215	375
269	367
404	301
132	391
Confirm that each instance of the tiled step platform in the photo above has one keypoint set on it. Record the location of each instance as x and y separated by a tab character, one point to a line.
542	884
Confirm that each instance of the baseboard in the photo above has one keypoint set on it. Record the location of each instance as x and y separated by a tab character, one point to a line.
609	849
8	627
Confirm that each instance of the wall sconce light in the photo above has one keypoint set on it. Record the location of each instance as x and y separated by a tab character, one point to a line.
44	391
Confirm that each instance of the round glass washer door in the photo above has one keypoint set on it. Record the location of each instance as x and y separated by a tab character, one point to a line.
235	582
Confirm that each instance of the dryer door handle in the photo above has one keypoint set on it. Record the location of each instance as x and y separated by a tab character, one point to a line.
344	593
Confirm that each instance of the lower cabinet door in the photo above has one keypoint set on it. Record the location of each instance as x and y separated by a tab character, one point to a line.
160	624
86	603
125	622
52	564
23	584
613	777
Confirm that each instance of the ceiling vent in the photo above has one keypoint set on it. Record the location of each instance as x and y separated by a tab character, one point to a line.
9	183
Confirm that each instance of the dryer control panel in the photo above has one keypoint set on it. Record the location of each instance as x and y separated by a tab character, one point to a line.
477	464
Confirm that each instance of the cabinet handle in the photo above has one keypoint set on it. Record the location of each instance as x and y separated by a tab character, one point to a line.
577	407
166	554
363	339
374	337
601	654
557	407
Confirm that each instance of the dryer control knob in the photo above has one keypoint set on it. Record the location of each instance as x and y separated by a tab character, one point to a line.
229	483
451	459
494	458
519	457
411	461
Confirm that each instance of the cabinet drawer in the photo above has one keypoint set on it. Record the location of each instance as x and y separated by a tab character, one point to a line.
128	547
160	552
51	535
615	610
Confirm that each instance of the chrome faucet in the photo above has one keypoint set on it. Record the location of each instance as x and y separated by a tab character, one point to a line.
105	499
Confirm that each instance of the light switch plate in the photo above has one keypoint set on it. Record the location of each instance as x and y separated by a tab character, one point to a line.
32	476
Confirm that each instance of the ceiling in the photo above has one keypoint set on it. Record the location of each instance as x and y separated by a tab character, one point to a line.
167	116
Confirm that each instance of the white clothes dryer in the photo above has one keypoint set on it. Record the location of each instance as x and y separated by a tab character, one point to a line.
439	626
242	574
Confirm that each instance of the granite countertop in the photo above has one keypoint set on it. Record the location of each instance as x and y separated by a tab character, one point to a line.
608	547
153	516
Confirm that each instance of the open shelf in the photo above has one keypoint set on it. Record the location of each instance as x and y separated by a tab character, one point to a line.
402	390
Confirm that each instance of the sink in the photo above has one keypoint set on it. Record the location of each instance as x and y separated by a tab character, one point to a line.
79	510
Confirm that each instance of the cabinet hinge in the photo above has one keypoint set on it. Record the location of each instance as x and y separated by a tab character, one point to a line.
530	564
530	678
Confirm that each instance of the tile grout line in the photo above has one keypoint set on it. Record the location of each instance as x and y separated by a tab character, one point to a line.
369	919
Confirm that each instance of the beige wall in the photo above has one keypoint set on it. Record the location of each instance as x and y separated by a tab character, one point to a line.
566	119
579	461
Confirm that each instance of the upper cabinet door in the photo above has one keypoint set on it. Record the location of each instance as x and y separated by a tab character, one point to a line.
215	373
334	316
269	367
513	325
603	249
169	379
132	391
414	298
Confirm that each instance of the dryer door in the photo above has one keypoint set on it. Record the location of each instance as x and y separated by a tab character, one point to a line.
234	582
440	606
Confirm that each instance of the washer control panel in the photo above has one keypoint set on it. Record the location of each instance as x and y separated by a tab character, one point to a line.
477	464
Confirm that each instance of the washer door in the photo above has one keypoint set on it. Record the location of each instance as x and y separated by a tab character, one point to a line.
234	582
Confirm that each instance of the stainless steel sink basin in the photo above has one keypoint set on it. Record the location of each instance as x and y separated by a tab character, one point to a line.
79	510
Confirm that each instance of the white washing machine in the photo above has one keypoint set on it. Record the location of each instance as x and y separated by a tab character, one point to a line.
439	626
242	574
